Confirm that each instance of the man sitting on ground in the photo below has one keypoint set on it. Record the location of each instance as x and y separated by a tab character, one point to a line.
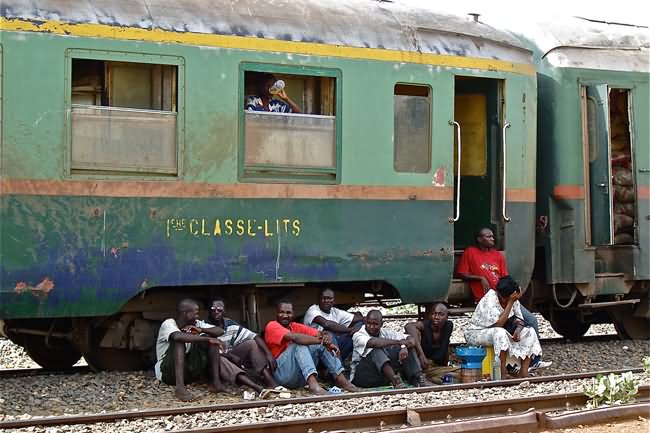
381	354
184	355
431	338
298	349
342	324
241	345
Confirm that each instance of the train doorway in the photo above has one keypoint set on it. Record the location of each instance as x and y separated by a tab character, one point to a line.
609	172
478	115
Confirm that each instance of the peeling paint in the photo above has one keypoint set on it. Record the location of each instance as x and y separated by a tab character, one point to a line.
44	287
439	176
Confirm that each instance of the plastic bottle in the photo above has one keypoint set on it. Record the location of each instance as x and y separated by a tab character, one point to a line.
277	87
496	369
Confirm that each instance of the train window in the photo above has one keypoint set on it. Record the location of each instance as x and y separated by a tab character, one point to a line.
290	126
124	117
412	133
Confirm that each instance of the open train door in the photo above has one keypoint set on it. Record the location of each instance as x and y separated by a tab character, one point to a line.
600	228
477	145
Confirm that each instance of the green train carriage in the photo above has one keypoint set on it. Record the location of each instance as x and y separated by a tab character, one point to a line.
593	185
133	177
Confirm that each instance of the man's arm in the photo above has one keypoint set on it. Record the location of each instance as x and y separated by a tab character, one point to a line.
185	337
331	325
270	360
380	343
414	330
212	331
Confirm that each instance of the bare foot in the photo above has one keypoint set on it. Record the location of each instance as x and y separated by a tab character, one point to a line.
342	382
216	389
183	394
317	390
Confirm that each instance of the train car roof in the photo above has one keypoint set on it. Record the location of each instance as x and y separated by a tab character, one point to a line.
586	43
399	25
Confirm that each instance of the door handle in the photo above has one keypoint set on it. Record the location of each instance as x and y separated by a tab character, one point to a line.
503	208
602	185
456	126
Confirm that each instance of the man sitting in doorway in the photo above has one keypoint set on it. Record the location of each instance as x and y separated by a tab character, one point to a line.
325	316
184	355
298	349
431	338
241	345
380	355
482	265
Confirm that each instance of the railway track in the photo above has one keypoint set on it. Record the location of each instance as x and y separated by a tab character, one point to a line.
372	420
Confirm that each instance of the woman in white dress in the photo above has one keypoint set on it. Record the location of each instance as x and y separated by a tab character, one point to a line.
500	309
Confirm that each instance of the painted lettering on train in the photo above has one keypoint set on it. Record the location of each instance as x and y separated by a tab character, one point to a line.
250	227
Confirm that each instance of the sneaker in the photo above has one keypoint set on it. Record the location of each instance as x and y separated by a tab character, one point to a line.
540	364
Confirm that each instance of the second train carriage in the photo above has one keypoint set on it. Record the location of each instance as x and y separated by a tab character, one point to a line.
593	184
132	176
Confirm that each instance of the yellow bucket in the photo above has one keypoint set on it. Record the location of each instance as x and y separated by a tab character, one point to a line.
486	366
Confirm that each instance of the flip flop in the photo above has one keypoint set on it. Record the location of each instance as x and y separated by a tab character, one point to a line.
335	390
265	393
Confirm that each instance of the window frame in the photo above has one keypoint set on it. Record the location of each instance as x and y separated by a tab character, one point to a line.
430	136
289	174
130	57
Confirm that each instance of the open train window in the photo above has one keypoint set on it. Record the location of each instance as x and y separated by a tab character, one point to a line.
124	113
290	125
412	128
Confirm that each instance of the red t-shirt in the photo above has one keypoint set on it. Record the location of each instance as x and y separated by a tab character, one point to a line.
489	264
274	333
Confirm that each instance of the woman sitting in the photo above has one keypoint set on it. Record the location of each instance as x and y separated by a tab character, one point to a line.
498	322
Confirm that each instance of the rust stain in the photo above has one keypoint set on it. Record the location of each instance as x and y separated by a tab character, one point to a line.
439	176
42	288
181	189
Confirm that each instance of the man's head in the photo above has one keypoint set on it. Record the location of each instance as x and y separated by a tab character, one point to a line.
374	322
326	301
506	286
439	314
263	82
284	313
485	238
187	312
217	308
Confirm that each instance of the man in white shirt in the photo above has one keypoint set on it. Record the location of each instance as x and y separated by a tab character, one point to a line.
185	354
380	355
241	345
338	322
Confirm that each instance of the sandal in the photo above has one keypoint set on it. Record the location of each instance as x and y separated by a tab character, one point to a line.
335	390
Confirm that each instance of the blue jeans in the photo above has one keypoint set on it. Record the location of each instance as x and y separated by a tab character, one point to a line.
298	362
344	341
531	320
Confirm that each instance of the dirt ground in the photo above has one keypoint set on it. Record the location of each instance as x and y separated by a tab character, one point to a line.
640	425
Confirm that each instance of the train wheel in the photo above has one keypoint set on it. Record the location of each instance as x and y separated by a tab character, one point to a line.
53	353
567	325
631	327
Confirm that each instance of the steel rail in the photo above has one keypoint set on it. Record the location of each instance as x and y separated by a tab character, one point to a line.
139	414
471	414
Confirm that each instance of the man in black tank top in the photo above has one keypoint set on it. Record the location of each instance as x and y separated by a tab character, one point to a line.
432	337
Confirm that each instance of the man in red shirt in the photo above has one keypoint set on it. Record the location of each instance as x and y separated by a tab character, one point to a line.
482	265
298	348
